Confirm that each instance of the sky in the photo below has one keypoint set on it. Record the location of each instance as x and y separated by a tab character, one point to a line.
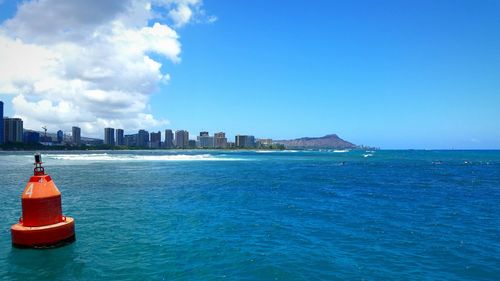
391	74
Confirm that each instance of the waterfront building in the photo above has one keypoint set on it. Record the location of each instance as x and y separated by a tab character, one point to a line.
92	142
182	139
31	137
205	141
238	141
60	136
192	144
13	129
130	140
265	142
155	141
169	139
244	141
46	140
142	138
76	137
1	123
109	136
220	140
119	137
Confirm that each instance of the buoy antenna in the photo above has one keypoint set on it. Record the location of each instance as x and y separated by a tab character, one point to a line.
39	170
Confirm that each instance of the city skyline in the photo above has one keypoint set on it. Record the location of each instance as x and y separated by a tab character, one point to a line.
117	136
12	131
15	133
390	74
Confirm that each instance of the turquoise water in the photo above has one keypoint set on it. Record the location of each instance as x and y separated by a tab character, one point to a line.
202	215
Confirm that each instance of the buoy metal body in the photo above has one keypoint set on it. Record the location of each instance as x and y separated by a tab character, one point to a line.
42	224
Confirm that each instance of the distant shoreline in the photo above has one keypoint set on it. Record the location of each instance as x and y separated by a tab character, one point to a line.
40	147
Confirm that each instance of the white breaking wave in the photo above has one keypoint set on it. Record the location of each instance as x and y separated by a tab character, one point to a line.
341	150
131	157
276	151
367	155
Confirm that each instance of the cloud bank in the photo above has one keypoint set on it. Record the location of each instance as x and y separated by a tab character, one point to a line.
89	62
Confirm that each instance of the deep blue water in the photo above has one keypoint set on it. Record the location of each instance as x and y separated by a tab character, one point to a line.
202	215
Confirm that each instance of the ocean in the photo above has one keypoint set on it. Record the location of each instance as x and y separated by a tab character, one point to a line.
263	215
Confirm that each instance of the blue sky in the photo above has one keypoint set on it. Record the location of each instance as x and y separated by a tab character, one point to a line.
392	74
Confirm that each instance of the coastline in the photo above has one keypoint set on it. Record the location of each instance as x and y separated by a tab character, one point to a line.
24	147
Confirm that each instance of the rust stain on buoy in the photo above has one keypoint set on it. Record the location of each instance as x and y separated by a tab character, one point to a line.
42	224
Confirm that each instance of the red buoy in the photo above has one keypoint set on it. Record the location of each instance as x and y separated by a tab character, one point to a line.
42	224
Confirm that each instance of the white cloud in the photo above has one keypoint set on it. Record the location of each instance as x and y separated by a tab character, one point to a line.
181	15
88	62
23	64
212	19
181	12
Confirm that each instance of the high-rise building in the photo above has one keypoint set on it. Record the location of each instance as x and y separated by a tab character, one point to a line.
13	129
60	136
119	137
92	142
220	135
264	143
109	136
155	137
181	139
169	139
220	140
45	139
142	138
1	123
250	141
76	136
130	140
205	141
31	137
191	144
155	141
244	141
186	140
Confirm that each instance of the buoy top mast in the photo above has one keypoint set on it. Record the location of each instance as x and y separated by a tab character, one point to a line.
39	170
